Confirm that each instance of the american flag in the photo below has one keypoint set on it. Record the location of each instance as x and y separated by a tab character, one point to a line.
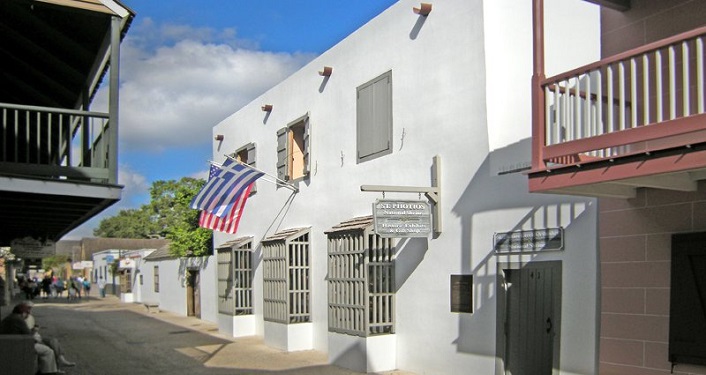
226	184
228	224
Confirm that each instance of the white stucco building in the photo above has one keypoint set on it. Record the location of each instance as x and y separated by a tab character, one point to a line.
102	261
176	284
410	102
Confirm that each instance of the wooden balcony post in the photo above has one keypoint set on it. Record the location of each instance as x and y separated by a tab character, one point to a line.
538	133
114	84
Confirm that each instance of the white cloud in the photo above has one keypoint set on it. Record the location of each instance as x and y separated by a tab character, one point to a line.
202	174
176	83
135	185
174	93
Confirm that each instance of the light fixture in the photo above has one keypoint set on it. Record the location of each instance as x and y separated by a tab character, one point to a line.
219	137
267	107
326	72
423	10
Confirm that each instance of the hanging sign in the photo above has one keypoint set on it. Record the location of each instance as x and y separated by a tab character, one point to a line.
522	241
29	247
395	218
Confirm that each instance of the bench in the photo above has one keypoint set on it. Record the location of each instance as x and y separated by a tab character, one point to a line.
151	305
17	355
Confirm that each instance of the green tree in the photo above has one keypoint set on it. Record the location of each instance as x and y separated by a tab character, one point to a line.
168	215
55	263
129	223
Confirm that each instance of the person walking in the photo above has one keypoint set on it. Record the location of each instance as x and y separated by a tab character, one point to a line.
59	287
101	286
87	286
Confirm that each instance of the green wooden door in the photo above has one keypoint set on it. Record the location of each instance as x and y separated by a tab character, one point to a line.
532	318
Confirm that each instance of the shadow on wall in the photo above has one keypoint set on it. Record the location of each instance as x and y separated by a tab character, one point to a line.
190	263
350	358
273	228
488	193
410	253
417	27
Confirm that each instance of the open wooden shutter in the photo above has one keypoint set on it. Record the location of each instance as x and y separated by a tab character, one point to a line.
307	148
252	161
282	159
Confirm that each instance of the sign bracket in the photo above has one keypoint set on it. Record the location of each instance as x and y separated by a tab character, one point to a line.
432	193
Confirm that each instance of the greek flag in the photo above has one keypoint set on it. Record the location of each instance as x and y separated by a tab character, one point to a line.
226	183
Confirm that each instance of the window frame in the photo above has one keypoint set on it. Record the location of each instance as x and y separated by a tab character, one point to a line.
250	151
155	282
374	117
286	151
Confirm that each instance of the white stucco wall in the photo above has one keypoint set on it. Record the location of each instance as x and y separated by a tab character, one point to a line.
172	295
208	268
572	35
147	288
172	286
101	267
441	106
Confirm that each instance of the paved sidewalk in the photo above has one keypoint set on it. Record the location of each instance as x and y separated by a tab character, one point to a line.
239	355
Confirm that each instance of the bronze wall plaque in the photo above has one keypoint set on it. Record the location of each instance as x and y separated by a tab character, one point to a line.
462	293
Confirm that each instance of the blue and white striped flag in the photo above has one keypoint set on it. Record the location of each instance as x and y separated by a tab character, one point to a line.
225	184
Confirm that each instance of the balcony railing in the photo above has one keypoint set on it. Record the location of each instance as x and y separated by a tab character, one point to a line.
643	100
53	143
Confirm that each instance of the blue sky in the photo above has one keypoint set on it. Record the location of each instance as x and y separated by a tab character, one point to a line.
186	65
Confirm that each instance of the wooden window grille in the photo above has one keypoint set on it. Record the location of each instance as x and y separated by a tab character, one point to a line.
361	280
156	279
235	274
286	277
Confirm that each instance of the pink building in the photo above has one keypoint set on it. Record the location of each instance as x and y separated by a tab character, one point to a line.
631	130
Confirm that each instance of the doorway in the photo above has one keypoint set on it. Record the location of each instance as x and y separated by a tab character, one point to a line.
193	294
529	318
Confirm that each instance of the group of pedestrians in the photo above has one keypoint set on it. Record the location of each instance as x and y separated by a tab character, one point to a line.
49	351
53	286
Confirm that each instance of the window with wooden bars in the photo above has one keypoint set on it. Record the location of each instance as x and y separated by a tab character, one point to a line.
361	280
156	279
286	260
235	274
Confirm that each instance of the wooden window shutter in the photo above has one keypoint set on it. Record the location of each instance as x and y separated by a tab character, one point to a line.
687	320
252	161
364	117
307	148
282	159
374	118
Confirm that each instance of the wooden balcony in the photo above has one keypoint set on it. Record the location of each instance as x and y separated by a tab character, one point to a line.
56	144
633	120
58	158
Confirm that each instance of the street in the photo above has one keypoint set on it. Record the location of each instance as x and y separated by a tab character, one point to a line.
105	337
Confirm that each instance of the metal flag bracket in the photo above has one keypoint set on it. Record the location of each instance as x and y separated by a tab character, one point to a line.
432	193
